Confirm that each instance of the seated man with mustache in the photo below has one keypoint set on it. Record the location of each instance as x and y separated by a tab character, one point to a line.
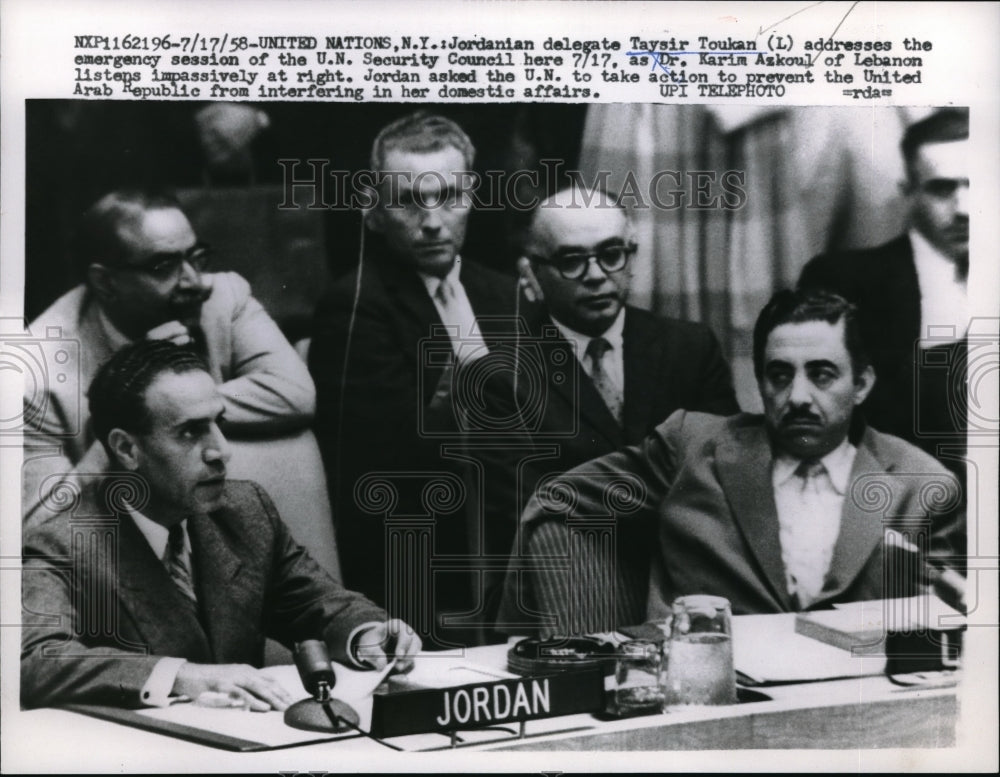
799	508
144	280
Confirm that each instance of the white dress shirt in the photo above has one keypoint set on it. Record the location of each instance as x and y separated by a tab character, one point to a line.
614	357
944	298
809	515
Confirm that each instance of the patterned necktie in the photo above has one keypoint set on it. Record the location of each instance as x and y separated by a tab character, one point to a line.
178	563
596	349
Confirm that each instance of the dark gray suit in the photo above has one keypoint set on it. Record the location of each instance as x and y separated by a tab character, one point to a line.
100	609
372	388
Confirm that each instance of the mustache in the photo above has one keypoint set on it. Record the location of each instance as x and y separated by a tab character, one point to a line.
189	297
794	416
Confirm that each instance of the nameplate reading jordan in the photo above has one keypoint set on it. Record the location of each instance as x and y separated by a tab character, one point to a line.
487	704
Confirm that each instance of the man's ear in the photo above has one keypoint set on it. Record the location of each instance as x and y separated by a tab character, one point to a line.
371	212
907	186
864	381
125	447
100	279
529	282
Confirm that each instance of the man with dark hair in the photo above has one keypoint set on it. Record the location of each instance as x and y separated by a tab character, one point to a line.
630	369
145	279
372	387
912	294
175	575
772	511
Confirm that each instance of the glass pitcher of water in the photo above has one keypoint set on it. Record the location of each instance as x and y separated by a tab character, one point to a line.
699	664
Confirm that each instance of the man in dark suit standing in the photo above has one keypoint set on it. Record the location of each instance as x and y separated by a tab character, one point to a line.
798	508
163	579
912	295
412	285
630	369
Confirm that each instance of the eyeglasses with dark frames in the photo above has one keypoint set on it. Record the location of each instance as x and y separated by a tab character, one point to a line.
163	266
574	265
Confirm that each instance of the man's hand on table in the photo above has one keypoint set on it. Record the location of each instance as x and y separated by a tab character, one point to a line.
255	689
383	642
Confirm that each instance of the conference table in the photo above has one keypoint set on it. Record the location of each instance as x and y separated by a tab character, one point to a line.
846	713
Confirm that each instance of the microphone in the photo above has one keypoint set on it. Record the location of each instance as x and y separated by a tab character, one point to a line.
322	712
313	662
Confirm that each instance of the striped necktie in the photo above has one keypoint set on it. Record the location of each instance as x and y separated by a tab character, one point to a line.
178	563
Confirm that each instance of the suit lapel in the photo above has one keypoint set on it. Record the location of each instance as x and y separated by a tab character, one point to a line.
582	397
860	531
744	466
220	596
642	355
411	297
416	313
154	601
907	291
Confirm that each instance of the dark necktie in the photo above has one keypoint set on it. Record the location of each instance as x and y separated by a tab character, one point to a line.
596	350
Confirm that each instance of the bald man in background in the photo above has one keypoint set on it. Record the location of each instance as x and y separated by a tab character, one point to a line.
628	369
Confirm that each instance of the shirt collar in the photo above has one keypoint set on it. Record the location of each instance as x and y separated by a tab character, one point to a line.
157	535
837	463
431	282
113	335
928	258
614	334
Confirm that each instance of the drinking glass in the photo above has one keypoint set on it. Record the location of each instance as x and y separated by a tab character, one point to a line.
700	658
636	688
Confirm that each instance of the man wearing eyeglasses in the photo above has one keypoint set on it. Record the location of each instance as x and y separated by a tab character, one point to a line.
144	279
634	368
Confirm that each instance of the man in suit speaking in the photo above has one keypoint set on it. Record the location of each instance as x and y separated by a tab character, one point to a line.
798	508
163	579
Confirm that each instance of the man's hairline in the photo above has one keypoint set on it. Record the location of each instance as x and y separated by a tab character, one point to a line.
146	415
533	238
140	211
911	164
445	144
856	374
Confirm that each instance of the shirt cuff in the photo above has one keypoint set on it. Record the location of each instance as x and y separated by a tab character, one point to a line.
156	692
352	643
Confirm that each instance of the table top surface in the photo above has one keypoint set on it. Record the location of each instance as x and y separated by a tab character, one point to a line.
849	712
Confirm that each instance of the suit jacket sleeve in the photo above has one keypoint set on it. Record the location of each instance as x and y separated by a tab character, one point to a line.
56	667
303	601
716	393
650	467
630	484
266	385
